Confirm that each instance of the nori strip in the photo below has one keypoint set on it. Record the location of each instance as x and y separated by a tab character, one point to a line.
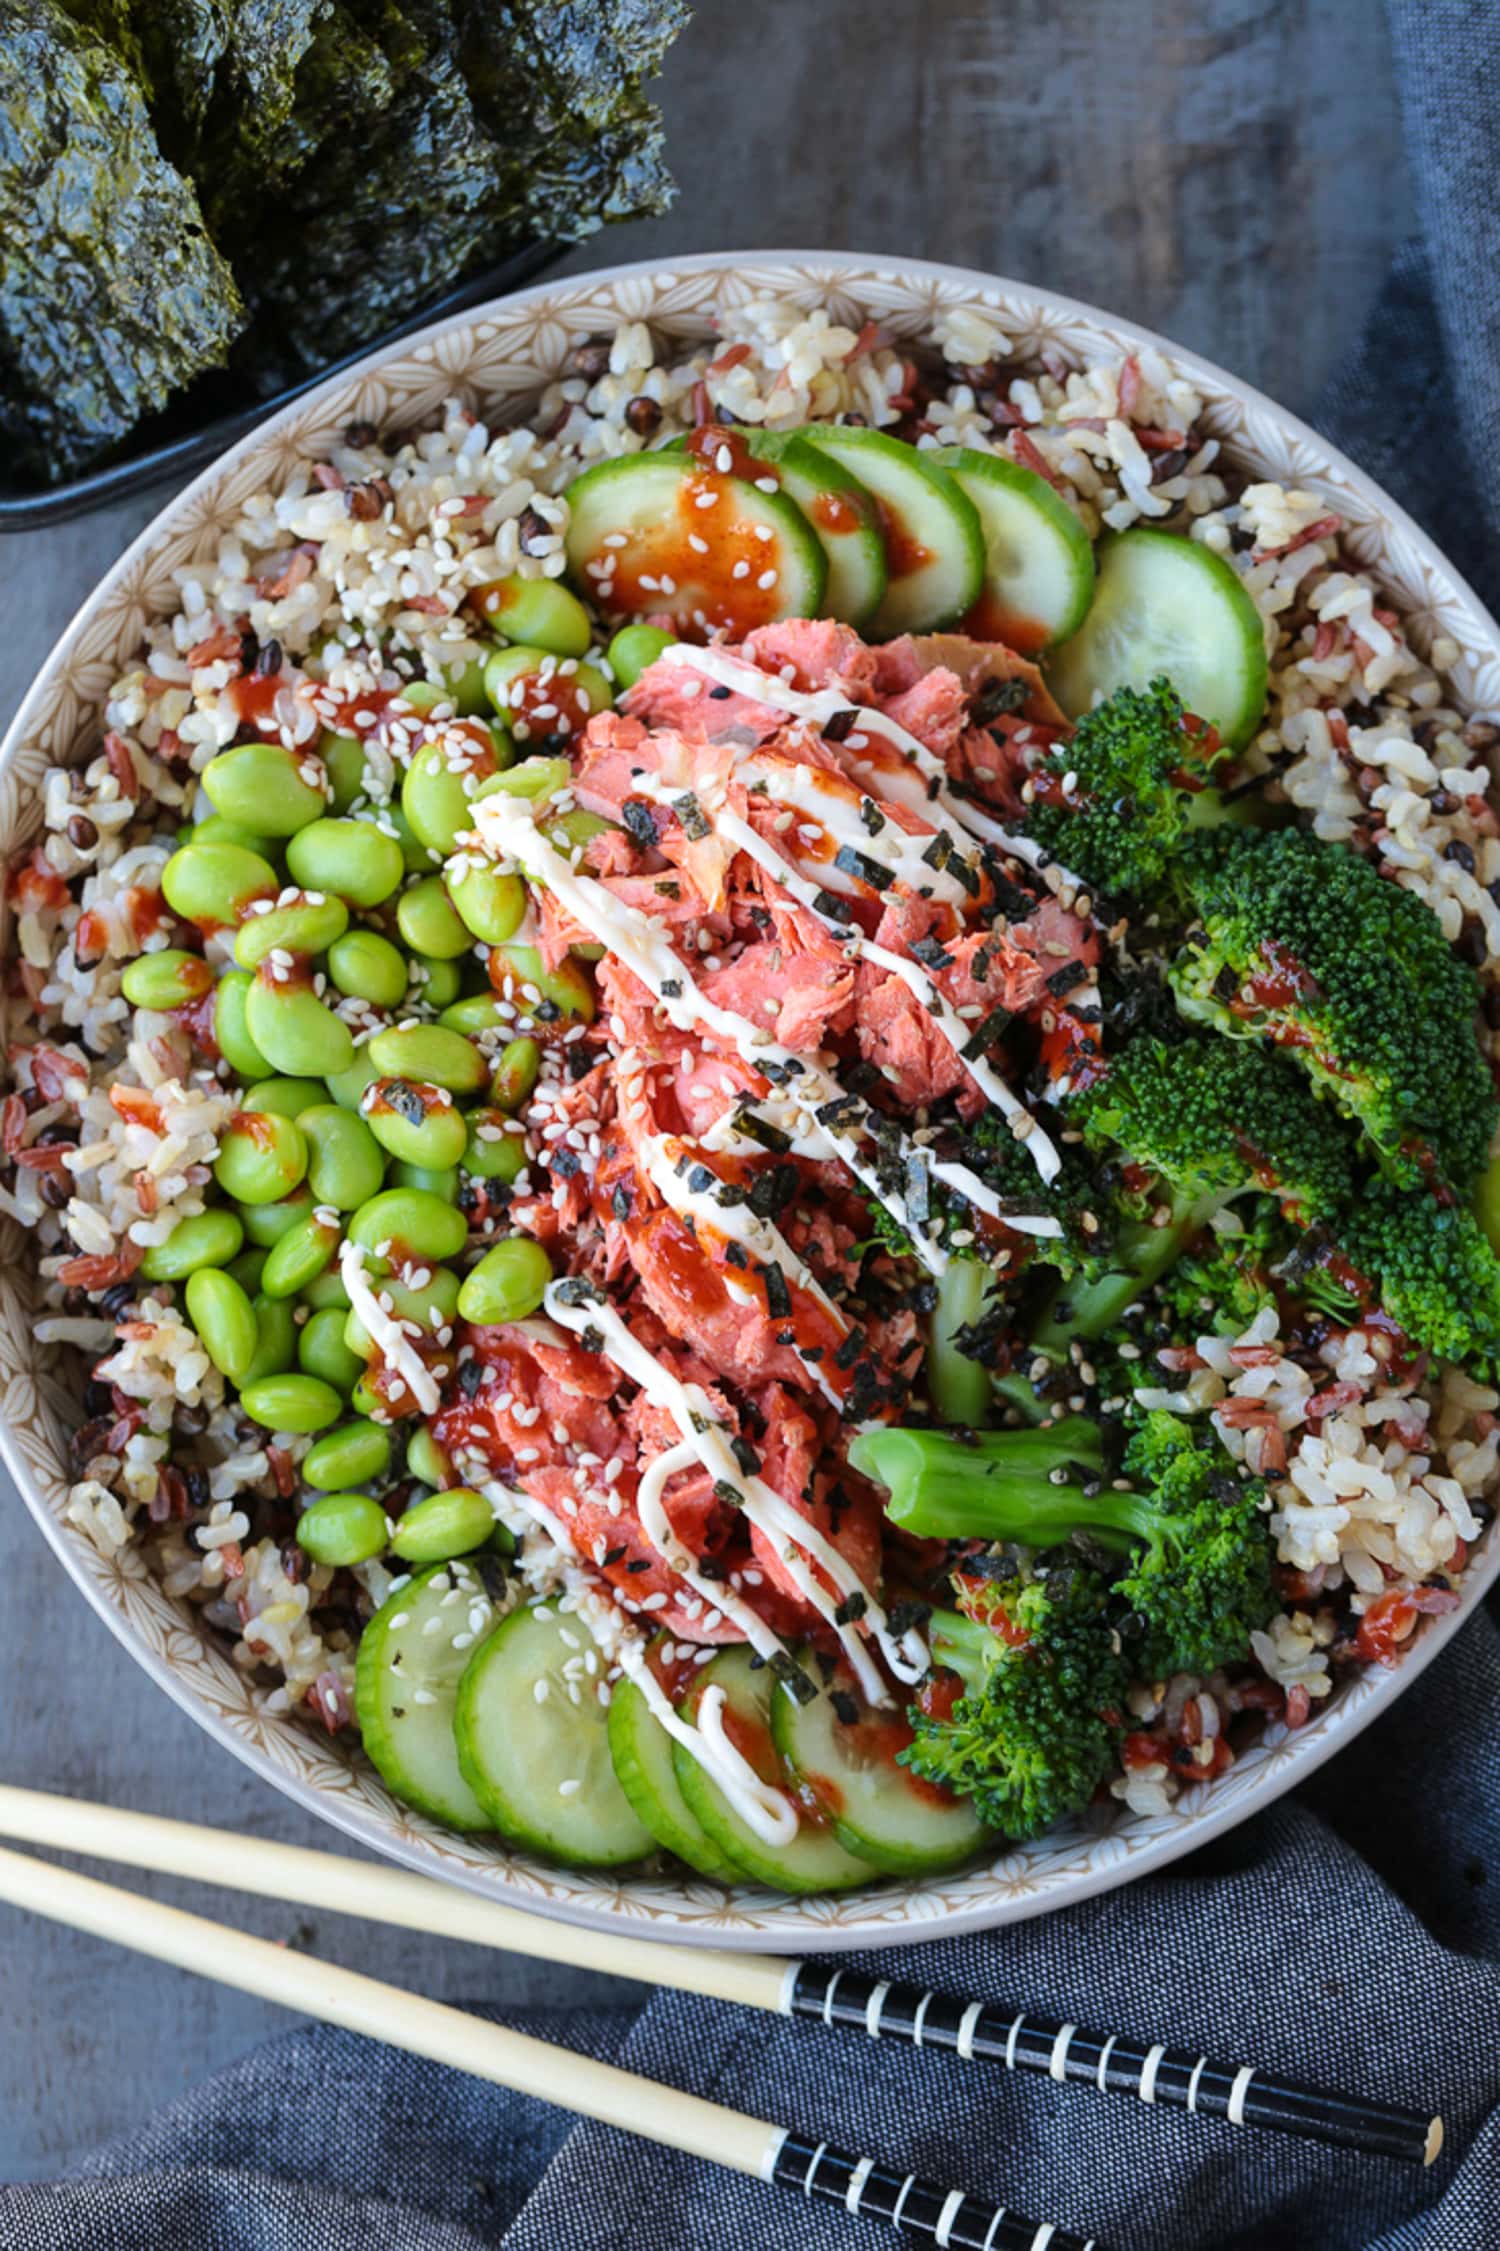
111	294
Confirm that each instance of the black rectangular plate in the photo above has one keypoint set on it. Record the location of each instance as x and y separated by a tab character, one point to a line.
214	412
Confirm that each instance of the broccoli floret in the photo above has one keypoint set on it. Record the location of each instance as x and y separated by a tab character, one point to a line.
1432	1266
1224	1279
1212	1115
1034	1734
1115	802
1198	1579
1307	944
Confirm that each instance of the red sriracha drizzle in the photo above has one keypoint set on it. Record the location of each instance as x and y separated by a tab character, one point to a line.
703	582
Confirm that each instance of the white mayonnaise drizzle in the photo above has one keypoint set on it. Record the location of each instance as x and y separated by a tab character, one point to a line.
656	1525
825	799
797	1541
769	1812
387	1334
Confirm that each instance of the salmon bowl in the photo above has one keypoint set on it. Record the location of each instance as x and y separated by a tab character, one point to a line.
751	1070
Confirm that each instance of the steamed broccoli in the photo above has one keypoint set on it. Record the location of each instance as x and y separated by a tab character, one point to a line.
1227	1274
1034	1733
1433	1268
1198	1579
1214	1116
1116	801
1307	944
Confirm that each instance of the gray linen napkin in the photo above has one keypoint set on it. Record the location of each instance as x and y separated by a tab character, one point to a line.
1351	1935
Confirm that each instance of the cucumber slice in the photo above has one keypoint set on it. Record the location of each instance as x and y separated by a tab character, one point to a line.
1166	604
537	1762
1038	559
877	1809
631	524
814	1860
405	1683
642	1751
841	512
934	546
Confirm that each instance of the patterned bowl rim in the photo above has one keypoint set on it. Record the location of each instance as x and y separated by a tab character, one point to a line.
1069	1866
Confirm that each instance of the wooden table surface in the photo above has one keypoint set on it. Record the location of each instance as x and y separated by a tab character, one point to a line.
1234	180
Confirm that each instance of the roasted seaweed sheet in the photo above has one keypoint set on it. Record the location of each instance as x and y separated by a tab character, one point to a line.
112	294
286	177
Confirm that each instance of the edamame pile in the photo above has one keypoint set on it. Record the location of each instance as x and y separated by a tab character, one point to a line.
376	996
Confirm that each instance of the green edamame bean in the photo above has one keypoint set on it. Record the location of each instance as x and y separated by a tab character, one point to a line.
475	1014
429	1053
496	1148
429	922
350	860
212	884
443	1526
169	979
264	786
508	1284
465	684
437	983
224	1318
247	1270
438	792
515	1074
342	1529
428	696
561	994
345	1166
492	905
348	1085
216	830
412	1222
533	779
369	967
443	1184
276	1340
322	1352
418	1123
306	925
426	1460
537	611
294	1030
413	851
344	758
367	1397
573	832
231	1037
532	690
287	1097
296	1403
357	1453
325	1290
265	1224
632	649
430	1307
205	1238
262	1157
300	1256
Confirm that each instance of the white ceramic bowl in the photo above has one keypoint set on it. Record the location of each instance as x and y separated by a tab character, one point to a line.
501	355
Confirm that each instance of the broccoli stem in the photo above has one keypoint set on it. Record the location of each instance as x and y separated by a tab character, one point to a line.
1086	1309
1032	1486
960	1388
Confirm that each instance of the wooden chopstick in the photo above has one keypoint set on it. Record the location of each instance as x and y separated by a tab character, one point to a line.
1149	2071
665	2115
